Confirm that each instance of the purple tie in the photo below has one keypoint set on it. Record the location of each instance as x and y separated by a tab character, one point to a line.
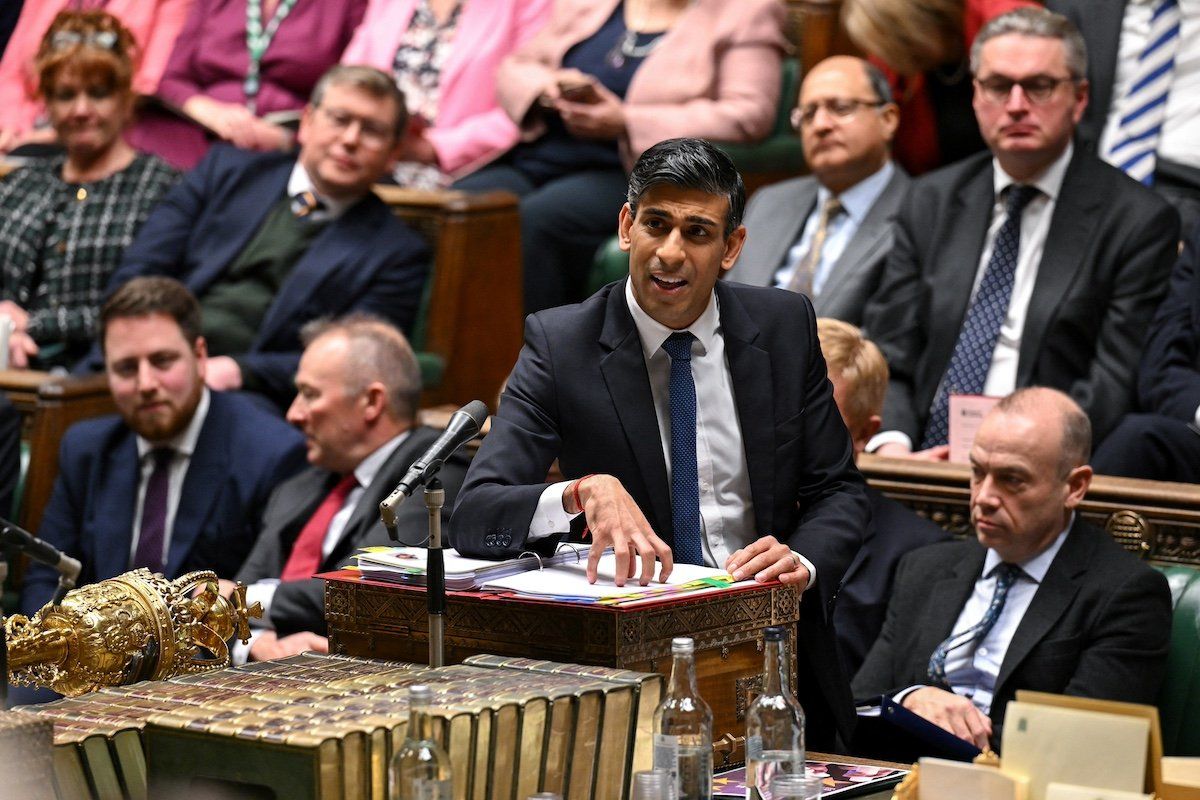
149	552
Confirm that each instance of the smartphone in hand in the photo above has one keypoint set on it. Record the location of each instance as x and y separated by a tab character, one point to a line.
578	91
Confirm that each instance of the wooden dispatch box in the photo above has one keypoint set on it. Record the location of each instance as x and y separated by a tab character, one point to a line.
374	619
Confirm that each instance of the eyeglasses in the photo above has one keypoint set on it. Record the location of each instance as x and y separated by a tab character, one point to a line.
63	40
1038	89
841	108
371	133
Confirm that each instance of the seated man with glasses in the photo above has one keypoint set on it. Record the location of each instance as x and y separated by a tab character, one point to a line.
828	234
1033	264
268	242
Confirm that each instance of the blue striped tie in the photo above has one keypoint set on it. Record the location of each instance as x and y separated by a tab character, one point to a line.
972	358
1006	576
1135	142
685	488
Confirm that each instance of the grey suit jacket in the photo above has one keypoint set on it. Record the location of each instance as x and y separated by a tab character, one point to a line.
1098	626
300	605
1100	23
1103	271
775	219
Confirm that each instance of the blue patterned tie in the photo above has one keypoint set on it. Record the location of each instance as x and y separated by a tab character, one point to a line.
1006	576
972	358
685	489
1135	143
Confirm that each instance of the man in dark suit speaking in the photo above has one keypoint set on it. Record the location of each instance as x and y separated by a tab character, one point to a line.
1033	264
692	418
1041	600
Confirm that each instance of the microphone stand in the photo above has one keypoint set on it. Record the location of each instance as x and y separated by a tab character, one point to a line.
435	572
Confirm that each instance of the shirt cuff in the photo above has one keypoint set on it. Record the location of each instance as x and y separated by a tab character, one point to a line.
812	571
1196	417
898	697
550	517
262	592
889	437
240	653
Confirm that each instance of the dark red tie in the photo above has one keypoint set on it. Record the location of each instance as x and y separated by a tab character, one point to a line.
306	552
153	530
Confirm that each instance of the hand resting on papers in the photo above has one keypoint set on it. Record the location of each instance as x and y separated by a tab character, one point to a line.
614	520
765	560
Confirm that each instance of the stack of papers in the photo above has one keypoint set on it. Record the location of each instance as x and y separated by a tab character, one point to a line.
406	565
567	582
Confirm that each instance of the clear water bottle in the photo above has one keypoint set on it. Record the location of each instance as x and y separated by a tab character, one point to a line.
683	728
774	723
421	768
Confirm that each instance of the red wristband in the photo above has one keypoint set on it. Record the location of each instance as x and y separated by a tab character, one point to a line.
575	491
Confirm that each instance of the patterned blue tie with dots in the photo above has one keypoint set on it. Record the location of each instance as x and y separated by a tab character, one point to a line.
1006	576
972	358
685	489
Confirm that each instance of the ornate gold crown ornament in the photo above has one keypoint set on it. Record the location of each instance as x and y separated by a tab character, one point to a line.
134	627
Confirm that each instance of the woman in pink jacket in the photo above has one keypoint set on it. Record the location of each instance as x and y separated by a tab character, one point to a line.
444	54
601	83
154	24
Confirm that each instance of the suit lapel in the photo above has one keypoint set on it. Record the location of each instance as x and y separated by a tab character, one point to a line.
750	369
118	498
872	237
202	484
1076	213
243	214
947	596
329	254
1052	598
624	371
954	275
784	232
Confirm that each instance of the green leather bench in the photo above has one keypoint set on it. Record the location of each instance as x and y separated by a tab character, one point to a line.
1179	703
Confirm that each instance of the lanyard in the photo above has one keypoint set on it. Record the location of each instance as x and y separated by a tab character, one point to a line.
257	42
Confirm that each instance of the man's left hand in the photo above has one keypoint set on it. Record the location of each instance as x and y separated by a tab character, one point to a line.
603	119
768	559
223	374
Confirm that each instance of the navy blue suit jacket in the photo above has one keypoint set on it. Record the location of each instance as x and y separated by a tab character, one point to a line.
366	260
579	393
242	453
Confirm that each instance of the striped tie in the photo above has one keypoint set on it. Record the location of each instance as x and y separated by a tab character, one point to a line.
1135	142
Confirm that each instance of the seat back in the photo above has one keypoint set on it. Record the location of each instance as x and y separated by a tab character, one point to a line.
1179	701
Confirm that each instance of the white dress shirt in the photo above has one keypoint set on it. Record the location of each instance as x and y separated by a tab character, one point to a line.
857	202
1180	139
263	591
1035	229
972	671
183	445
726	509
300	182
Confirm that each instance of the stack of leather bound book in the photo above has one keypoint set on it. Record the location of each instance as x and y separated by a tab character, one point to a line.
326	727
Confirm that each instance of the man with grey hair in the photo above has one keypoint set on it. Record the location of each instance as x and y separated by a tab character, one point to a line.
1039	599
267	242
358	386
828	234
1035	263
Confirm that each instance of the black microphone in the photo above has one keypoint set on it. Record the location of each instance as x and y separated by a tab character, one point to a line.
464	426
40	551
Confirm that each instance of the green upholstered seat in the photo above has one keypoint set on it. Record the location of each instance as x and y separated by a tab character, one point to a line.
1179	702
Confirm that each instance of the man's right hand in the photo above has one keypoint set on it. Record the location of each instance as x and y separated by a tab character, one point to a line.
268	646
951	712
615	520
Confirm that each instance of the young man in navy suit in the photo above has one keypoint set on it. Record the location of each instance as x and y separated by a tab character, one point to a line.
178	479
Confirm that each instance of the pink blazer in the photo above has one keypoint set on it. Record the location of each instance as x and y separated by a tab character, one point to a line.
470	128
153	23
714	75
